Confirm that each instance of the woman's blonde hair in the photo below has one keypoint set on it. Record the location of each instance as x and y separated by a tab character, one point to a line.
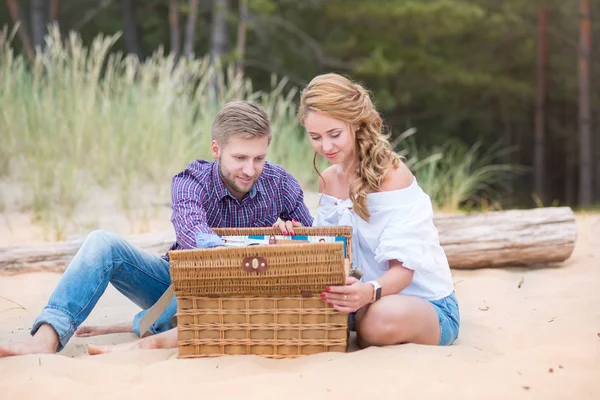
342	99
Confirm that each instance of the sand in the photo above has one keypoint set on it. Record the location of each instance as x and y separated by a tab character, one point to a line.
525	333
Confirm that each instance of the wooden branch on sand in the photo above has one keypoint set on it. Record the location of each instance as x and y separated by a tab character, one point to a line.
508	238
501	238
55	256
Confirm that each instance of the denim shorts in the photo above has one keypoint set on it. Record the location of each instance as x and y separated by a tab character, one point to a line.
448	314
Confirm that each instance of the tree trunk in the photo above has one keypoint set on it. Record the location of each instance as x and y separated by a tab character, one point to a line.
241	37
539	152
585	138
23	32
596	156
54	10
570	173
190	31
174	28
219	30
130	29
507	138
597	147
501	238
38	22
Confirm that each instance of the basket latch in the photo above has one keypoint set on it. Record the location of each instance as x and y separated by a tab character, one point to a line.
255	264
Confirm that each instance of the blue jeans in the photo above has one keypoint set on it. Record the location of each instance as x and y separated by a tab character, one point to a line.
102	259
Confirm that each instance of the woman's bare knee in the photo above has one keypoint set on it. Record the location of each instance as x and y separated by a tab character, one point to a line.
376	328
396	320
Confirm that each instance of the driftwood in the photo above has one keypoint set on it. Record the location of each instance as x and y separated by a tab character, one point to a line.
504	238
501	238
55	256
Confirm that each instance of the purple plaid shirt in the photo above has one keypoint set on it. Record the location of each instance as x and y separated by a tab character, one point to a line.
200	201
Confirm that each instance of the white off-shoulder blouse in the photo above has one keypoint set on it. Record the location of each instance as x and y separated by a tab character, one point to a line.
400	228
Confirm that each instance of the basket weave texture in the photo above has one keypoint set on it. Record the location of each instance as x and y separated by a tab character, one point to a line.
262	300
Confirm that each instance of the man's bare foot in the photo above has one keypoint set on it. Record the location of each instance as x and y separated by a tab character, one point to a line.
165	340
89	331
97	349
45	341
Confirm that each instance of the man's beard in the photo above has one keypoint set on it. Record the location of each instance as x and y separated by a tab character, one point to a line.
229	180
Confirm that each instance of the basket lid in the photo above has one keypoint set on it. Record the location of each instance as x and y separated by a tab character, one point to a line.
263	270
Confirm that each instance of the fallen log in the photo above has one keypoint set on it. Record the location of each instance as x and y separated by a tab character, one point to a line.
55	256
501	238
538	236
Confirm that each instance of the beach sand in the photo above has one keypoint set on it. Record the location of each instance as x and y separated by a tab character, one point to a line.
525	333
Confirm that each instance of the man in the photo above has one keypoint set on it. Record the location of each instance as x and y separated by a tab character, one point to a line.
239	189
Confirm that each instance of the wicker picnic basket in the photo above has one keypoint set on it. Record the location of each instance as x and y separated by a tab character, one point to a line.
262	299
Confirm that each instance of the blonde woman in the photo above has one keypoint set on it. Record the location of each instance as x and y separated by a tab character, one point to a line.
406	294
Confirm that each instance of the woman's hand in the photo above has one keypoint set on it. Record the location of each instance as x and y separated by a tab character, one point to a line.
349	298
287	227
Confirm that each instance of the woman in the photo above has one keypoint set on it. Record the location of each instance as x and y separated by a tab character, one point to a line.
406	293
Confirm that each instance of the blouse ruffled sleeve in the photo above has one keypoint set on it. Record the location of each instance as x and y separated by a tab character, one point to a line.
408	236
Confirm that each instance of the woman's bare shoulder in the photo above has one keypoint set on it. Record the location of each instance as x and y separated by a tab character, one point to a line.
397	178
330	177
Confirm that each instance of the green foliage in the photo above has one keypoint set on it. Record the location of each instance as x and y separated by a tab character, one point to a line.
82	118
461	71
458	177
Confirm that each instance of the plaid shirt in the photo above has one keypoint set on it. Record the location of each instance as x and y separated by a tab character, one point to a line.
200	201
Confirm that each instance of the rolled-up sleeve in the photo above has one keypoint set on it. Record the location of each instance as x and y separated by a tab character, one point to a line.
189	216
406	237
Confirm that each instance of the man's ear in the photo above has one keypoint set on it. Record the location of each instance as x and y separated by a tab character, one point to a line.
215	150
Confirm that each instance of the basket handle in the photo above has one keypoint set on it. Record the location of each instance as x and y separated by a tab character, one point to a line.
255	264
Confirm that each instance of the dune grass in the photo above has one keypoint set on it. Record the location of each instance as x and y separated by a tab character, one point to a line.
80	118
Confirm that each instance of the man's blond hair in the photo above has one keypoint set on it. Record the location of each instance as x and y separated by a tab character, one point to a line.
241	119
